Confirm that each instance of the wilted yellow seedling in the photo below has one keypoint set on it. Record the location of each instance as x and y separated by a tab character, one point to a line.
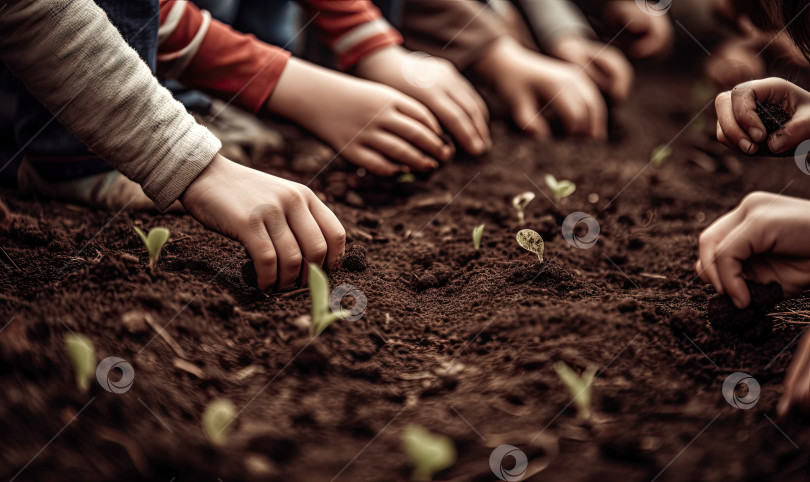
559	189
154	242
477	233
578	387
520	202
531	241
83	358
428	452
659	155
216	420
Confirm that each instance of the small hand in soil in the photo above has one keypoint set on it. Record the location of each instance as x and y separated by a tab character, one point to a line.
772	115
749	322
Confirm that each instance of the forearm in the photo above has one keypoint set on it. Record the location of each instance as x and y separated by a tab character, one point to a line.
77	64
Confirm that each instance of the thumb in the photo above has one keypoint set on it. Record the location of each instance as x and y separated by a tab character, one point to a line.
748	96
794	132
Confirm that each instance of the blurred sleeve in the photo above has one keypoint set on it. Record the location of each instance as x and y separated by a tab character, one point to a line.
352	29
208	55
458	30
76	63
552	19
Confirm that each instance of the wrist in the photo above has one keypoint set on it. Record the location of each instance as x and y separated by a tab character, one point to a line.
203	181
378	61
498	55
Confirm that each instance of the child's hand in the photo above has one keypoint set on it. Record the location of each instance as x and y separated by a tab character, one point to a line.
739	126
604	64
654	33
371	125
763	239
436	83
532	84
797	382
281	223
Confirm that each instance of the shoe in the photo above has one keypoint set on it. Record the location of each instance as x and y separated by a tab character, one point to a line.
109	190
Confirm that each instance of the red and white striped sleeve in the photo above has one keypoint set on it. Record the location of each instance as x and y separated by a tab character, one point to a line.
352	28
206	54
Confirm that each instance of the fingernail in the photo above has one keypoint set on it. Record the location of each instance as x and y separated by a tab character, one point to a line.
478	146
777	143
738	304
745	145
757	134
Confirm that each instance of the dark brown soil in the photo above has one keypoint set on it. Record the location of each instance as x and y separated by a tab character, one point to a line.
751	322
773	116
461	342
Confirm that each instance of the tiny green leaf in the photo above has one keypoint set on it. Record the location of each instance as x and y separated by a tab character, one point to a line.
659	155
477	233
406	177
520	202
578	387
322	316
428	452
216	420
560	189
531	241
83	357
154	242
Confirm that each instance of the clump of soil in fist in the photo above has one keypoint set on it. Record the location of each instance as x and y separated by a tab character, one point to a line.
355	259
773	116
750	322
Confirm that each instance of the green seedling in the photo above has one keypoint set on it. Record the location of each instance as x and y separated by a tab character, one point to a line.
531	241
406	177
216	420
560	189
659	155
428	452
520	202
322	315
154	242
83	357
478	232
578	387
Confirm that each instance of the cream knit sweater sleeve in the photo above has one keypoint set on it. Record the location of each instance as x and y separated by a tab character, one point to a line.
75	62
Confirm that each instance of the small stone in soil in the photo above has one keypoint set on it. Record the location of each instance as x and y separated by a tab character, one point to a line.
772	115
750	322
355	259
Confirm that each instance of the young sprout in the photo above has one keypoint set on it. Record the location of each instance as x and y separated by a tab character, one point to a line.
520	202
478	232
659	155
531	241
83	357
216	420
154	242
428	452
578	387
322	316
560	189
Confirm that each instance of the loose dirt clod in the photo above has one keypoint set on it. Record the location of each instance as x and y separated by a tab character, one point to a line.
355	259
772	115
749	322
